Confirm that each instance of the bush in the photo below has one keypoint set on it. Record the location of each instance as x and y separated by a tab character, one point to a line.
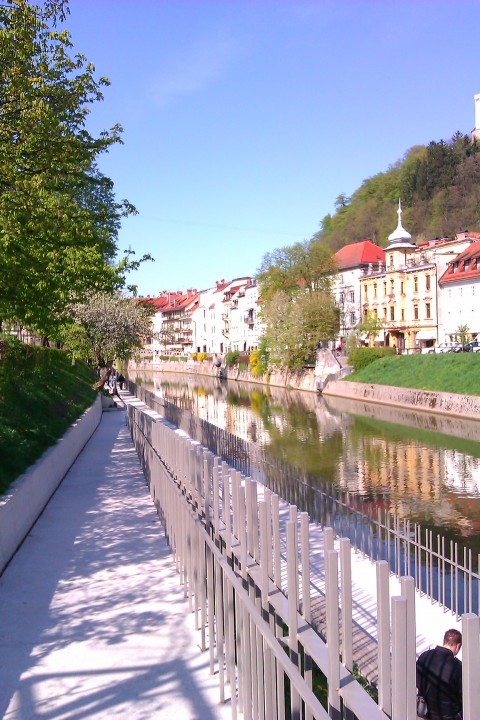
232	358
257	364
194	355
201	356
363	356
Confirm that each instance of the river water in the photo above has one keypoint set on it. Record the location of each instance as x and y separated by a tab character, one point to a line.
422	466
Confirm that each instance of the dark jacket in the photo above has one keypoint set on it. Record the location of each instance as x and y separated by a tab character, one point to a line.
439	680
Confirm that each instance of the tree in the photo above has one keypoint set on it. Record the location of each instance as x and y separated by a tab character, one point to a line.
59	218
371	325
461	334
294	328
109	327
305	266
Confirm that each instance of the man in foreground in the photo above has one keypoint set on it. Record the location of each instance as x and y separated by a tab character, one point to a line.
439	678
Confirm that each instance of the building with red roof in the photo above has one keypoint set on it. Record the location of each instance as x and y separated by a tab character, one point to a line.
353	261
460	291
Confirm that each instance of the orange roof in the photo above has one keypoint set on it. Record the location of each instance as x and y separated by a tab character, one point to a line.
359	253
465	266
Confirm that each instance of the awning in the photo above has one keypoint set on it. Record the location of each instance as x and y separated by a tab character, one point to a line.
426	335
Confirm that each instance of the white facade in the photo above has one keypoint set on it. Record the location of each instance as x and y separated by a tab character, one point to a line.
346	291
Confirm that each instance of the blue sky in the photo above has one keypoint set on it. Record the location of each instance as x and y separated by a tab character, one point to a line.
245	119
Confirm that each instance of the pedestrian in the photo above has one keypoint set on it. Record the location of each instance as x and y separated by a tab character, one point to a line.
121	381
439	678
112	383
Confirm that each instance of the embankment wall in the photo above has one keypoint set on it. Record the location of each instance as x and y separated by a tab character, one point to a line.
299	380
27	496
421	400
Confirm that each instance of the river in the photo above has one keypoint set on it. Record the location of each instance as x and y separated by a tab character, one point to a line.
422	466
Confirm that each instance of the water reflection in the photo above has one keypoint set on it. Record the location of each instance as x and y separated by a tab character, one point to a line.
423	467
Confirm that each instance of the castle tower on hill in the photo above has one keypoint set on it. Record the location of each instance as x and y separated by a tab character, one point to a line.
476	129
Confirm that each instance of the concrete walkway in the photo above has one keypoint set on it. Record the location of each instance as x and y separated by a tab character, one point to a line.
93	622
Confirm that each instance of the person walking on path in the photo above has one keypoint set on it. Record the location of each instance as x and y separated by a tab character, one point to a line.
439	678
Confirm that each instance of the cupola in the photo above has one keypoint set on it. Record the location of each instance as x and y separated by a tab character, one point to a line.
399	238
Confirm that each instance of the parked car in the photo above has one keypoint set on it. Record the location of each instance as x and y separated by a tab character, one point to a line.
447	347
472	346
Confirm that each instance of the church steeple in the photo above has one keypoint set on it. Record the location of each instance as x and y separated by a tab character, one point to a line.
399	237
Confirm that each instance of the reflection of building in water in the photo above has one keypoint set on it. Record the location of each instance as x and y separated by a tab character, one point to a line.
462	473
378	465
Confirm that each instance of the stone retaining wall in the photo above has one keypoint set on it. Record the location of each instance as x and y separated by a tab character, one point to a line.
308	379
421	400
27	496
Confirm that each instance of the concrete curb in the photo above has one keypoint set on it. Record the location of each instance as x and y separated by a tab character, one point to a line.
28	495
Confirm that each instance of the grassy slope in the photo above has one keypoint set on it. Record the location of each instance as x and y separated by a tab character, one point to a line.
41	395
448	372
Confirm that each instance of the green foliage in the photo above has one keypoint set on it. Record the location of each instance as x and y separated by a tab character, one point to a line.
371	325
360	357
41	395
306	266
110	327
294	328
440	188
232	358
462	334
59	219
446	372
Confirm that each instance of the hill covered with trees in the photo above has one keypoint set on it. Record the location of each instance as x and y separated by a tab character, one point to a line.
440	190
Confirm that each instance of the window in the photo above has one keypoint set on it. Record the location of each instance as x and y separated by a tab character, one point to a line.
391	259
374	289
385	313
352	318
392	313
392	286
384	287
342	297
415	284
427	282
366	292
375	313
352	296
403	314
415	312
427	311
402	288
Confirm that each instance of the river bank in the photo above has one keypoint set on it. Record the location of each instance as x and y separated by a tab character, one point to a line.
325	378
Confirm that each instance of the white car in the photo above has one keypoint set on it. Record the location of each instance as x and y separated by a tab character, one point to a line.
447	347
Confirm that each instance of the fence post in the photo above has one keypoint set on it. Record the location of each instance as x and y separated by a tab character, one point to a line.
333	640
399	658
470	665
383	623
346	597
407	585
292	581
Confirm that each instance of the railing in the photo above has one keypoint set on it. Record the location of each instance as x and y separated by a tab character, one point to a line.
443	570
252	601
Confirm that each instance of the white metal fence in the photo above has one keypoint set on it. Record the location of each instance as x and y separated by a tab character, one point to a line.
445	571
252	603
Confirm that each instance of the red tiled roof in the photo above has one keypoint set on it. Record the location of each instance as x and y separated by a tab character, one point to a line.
359	253
465	266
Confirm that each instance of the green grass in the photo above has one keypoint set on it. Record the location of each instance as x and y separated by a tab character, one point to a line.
446	372
41	395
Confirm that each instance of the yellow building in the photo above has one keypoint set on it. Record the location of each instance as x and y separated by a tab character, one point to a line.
403	294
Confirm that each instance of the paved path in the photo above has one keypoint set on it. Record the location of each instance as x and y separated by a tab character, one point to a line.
93	623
